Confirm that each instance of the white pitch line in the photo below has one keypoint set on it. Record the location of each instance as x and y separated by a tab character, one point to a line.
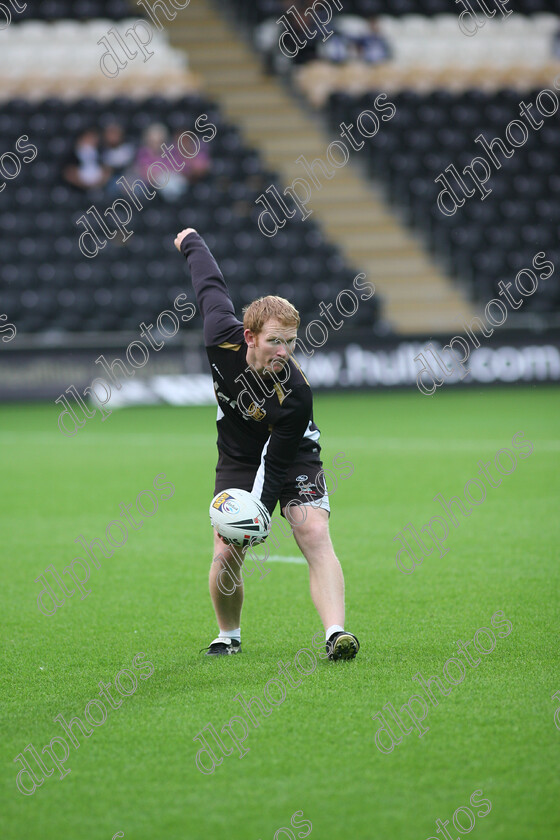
422	445
403	445
279	558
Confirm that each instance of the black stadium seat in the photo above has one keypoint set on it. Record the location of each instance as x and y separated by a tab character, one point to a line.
481	242
51	10
255	11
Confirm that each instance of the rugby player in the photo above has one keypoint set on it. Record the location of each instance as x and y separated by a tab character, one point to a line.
266	442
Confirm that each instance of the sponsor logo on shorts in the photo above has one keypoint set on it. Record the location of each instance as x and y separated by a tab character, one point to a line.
302	478
308	489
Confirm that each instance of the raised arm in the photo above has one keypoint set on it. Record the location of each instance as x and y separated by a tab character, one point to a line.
212	296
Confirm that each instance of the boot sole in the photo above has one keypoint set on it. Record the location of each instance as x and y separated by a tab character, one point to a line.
345	647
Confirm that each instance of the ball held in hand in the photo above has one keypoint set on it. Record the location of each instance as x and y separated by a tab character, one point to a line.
239	517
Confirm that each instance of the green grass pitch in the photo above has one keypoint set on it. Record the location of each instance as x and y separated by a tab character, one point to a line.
316	752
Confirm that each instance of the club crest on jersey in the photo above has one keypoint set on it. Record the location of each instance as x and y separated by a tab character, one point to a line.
226	503
256	412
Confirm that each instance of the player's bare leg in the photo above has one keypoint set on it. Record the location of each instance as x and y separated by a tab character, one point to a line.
226	587
326	580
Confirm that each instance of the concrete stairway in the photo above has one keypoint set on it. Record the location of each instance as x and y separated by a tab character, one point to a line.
417	296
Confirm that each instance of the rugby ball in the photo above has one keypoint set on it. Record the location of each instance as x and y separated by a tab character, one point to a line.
239	517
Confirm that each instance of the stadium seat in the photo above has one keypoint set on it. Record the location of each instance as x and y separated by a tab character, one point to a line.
481	242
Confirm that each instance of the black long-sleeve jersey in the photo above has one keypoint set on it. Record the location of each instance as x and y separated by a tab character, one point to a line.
278	431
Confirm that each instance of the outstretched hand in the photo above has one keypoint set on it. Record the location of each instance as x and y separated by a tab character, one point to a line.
180	236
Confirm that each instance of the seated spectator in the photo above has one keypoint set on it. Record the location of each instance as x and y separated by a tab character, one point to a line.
85	169
302	30
150	152
196	167
117	154
355	39
374	48
338	49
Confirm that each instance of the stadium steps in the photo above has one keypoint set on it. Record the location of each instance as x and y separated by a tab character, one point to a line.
417	297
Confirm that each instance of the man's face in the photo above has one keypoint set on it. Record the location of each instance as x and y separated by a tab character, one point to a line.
113	135
88	138
272	347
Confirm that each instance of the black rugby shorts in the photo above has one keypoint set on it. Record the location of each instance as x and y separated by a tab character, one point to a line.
305	481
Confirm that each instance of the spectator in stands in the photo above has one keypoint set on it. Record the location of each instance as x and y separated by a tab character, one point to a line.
151	151
196	167
338	49
374	48
118	154
85	169
354	43
309	50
